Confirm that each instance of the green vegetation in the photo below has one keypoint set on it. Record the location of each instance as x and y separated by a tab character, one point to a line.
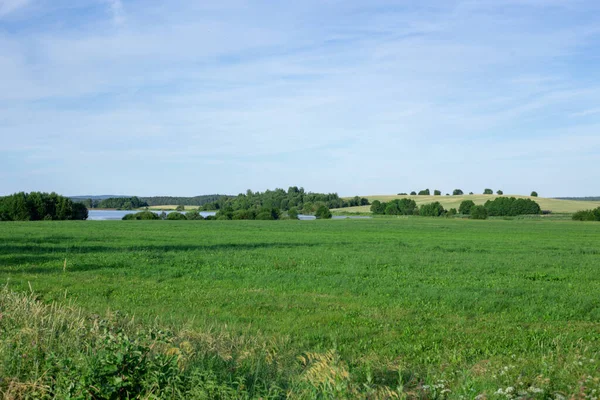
457	192
122	203
176	216
466	206
425	192
434	209
587	215
511	206
488	191
36	206
419	307
534	194
479	212
323	213
142	215
403	206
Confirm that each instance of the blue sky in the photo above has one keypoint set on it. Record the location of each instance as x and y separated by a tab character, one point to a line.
355	97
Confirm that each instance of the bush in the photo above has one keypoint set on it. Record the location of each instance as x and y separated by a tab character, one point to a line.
587	215
142	215
479	212
431	210
180	207
499	192
425	192
457	192
323	213
413	193
534	194
437	193
176	216
194	215
452	212
293	213
488	191
466	206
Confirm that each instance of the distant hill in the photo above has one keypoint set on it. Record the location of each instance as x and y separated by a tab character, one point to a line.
98	197
592	198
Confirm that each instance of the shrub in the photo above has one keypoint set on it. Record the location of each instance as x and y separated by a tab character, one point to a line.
323	213
466	206
479	212
293	213
142	215
499	192
243	214
457	192
413	193
437	193
425	192
392	209
434	209
176	216
587	215
488	191
194	215
452	212
180	208
534	194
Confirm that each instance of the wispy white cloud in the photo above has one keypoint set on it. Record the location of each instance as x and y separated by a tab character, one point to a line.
306	91
8	6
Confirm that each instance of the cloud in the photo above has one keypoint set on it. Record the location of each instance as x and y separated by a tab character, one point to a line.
336	96
8	6
117	11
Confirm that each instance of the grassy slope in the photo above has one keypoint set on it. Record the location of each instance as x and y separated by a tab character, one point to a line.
554	205
439	299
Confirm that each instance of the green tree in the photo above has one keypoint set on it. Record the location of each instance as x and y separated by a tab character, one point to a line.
413	193
488	191
293	213
499	192
466	206
534	194
479	212
425	192
194	215
323	213
434	209
437	193
180	207
457	192
377	207
175	216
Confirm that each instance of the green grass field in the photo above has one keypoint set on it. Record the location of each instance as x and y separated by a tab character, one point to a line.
554	205
429	308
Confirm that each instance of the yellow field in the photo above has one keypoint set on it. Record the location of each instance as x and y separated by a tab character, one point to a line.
554	205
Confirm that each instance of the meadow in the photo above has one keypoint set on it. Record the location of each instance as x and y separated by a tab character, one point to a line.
392	307
555	205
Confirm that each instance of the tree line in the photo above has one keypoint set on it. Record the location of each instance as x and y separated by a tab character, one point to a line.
130	203
501	206
456	192
36	206
294	197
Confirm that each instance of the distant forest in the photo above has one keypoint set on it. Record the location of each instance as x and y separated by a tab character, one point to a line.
592	198
280	199
129	203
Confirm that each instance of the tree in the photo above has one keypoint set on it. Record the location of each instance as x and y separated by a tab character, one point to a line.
434	209
457	192
499	192
466	206
392	209
36	206
470	193
488	191
437	193
413	193
479	212
293	213
377	207
323	213
175	216
180	207
425	192
534	194
194	215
